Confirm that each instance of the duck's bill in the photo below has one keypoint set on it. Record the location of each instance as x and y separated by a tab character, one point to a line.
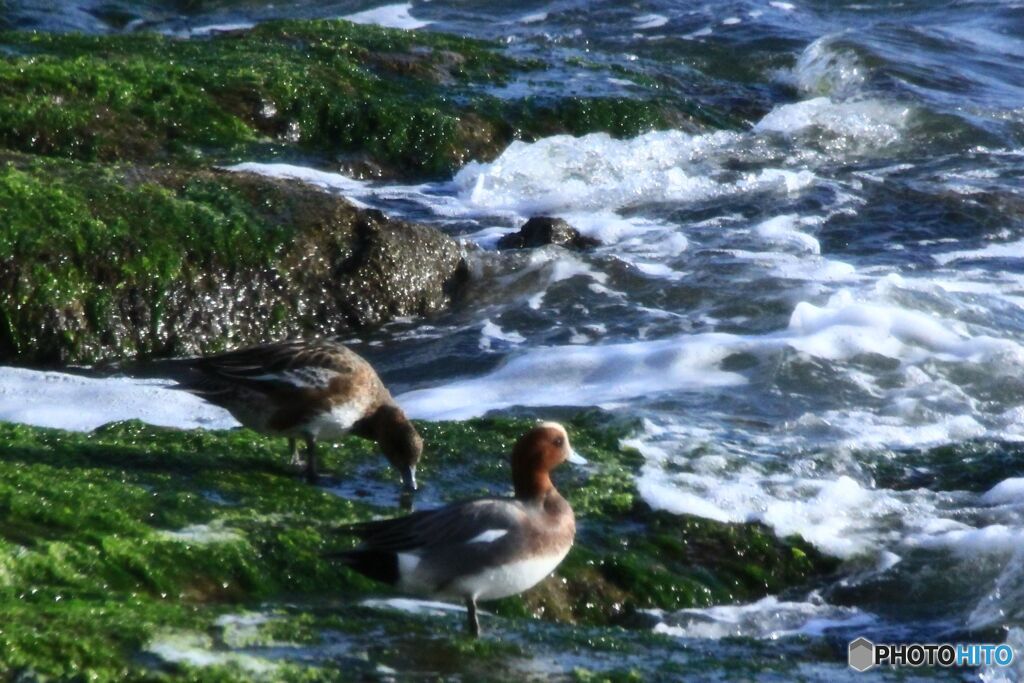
576	459
408	478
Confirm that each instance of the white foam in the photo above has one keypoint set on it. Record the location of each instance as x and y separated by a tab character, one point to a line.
1002	286
766	619
413	606
54	399
1008	250
798	266
580	375
870	124
642	242
971	541
356	191
197	649
863	429
1007	492
344	185
245	619
784	6
835	512
648	21
782	230
844	328
390	16
534	18
1004	604
596	172
492	332
659	270
699	33
822	69
660	494
243	630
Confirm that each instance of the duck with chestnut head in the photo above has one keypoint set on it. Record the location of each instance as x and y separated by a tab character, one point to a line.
483	549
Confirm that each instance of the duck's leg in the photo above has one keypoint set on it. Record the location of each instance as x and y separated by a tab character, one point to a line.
311	473
293	448
472	622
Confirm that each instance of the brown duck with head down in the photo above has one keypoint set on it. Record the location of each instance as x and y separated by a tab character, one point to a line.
306	389
482	549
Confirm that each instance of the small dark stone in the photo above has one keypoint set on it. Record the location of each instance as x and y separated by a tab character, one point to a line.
542	230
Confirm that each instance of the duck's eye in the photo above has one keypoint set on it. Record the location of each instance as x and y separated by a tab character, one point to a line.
559	441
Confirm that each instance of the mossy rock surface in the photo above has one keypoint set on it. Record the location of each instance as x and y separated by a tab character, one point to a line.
142	552
392	101
117	239
113	261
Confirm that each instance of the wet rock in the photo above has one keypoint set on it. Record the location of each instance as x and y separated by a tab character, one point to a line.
407	101
543	230
168	262
396	268
176	532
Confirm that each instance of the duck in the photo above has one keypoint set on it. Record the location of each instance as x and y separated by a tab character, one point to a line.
308	389
482	549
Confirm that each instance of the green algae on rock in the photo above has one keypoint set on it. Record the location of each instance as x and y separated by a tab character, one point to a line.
100	262
208	545
103	255
407	102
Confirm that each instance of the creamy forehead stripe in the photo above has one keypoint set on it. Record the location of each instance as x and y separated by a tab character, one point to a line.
554	425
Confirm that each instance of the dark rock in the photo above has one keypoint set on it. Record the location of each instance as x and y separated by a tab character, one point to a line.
273	259
542	230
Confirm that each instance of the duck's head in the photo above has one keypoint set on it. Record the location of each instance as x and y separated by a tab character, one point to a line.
400	443
535	455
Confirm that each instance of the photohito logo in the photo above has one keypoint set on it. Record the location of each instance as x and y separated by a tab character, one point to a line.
863	654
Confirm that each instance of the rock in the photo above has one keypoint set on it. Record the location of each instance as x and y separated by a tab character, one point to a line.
396	269
175	535
416	103
542	230
156	262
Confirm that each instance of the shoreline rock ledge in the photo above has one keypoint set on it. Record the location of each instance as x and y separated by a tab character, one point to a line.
213	260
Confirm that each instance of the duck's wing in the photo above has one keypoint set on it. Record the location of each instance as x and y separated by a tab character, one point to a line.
484	521
282	368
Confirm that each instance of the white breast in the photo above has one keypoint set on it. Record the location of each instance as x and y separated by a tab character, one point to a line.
336	423
508	579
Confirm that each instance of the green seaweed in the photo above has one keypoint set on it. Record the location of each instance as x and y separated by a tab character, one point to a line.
101	262
115	539
412	102
115	241
73	240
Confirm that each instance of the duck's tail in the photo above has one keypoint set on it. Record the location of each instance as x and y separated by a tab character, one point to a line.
181	370
379	565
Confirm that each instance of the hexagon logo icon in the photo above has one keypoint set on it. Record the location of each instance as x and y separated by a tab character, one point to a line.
862	654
